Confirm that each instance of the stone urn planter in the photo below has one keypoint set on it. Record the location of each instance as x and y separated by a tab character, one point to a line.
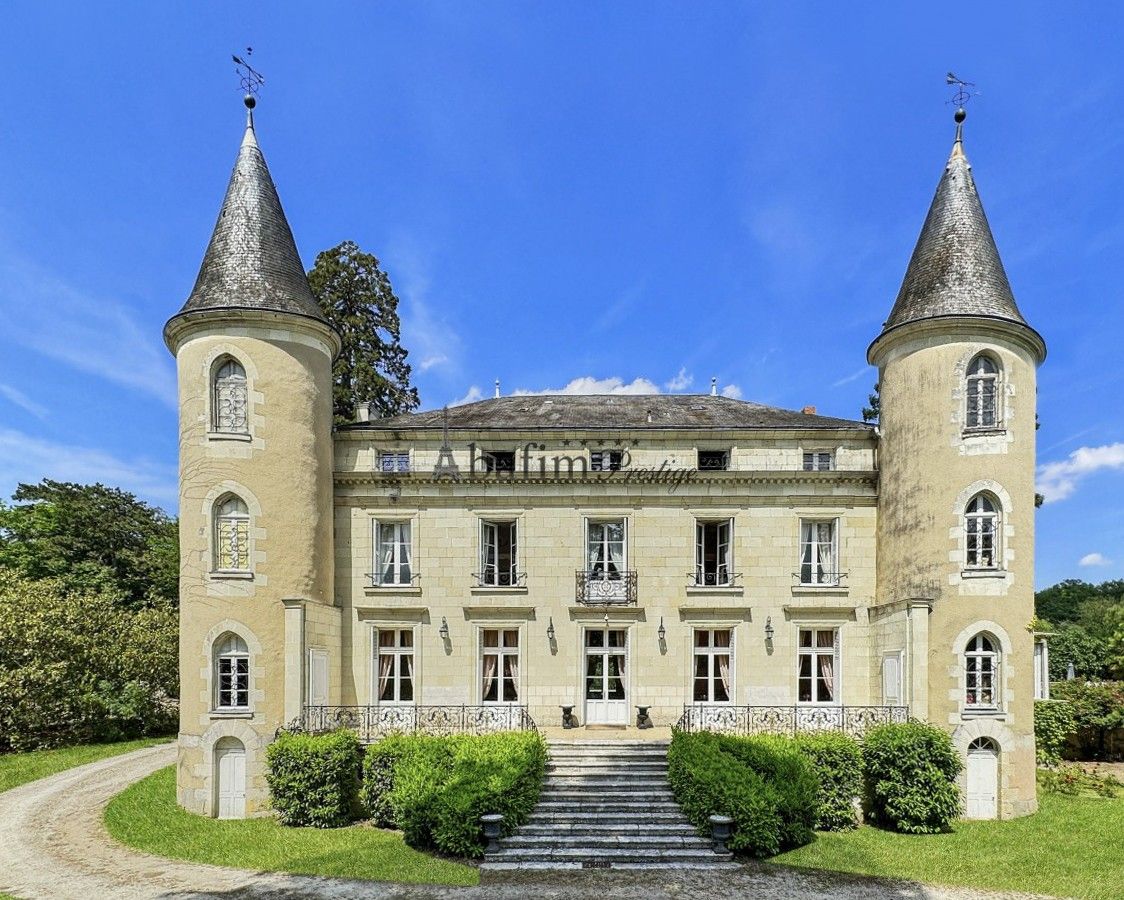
721	827
493	825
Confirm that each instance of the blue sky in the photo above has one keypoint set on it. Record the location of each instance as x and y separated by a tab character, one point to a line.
612	192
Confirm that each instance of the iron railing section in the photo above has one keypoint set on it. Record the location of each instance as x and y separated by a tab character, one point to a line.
713	579
790	720
601	589
826	579
374	722
377	579
500	579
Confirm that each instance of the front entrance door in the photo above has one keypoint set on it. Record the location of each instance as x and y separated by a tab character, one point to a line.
606	679
230	768
983	780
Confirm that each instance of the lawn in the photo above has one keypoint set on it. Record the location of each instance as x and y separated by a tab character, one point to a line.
146	816
20	768
1073	847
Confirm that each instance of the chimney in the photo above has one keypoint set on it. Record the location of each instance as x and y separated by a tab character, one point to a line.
362	413
714	387
497	388
809	410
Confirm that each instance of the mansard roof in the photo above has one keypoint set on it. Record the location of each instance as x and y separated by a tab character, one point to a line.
616	411
252	261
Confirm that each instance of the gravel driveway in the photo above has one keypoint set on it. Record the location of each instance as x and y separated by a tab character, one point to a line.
53	846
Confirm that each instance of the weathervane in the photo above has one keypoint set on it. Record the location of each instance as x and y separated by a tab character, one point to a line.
252	79
960	98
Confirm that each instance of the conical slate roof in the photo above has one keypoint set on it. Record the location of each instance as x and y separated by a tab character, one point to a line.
955	269
252	260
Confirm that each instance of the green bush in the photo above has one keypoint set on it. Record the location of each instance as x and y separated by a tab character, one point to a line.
764	784
314	778
436	788
909	776
1053	724
838	763
1098	708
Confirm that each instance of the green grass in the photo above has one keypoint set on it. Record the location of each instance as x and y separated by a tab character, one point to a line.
1072	847
146	816
20	768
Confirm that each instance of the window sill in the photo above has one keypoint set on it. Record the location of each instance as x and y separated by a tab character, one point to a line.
230	714
997	714
820	589
407	589
231	576
983	432
715	590
497	589
244	437
984	573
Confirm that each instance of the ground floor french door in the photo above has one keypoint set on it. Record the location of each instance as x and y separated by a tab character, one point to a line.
606	676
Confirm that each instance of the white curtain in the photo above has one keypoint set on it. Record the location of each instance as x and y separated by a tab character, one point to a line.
827	676
513	671
616	549
386	666
724	673
489	675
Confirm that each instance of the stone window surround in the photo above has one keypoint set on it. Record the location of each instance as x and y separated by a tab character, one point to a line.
208	672
1003	394
827	514
1004	532
500	624
959	672
374	628
256	533
218	355
496	516
389	517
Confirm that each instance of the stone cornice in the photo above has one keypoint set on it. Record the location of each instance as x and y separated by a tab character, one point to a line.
980	328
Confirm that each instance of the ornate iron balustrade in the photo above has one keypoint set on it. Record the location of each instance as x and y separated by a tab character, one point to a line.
378	579
500	579
374	722
599	589
790	720
713	579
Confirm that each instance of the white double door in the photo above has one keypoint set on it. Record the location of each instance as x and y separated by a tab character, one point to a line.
230	770
606	676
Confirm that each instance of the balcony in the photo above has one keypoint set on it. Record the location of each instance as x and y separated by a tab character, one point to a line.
720	579
788	720
606	588
502	579
372	723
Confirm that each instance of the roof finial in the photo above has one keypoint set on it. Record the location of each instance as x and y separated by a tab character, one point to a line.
251	80
497	388
714	387
960	98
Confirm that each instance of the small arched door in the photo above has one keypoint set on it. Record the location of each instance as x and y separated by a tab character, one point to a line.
983	779
230	779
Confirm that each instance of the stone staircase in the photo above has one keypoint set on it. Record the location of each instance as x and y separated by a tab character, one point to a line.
606	804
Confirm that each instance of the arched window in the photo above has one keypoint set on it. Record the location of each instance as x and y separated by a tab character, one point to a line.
232	535
232	673
981	671
228	399
983	380
981	524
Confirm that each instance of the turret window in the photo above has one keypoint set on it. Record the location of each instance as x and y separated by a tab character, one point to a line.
231	535
983	380
232	673
981	673
981	524
229	399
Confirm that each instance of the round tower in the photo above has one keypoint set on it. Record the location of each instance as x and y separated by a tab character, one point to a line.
254	360
957	369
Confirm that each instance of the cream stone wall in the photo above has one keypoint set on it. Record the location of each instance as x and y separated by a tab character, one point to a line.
931	466
282	470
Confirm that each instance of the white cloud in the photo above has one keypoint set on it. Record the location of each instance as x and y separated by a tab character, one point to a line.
732	391
474	394
681	381
590	385
91	334
854	376
24	402
1094	559
430	361
30	459
428	336
1058	480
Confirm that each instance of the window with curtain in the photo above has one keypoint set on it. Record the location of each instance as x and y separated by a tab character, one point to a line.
498	554
712	665
712	553
818	552
605	558
392	553
231	535
228	400
232	673
981	672
981	524
818	665
394	665
982	393
499	661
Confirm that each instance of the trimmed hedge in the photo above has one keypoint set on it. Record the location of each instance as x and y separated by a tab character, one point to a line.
763	783
436	788
909	775
838	763
314	778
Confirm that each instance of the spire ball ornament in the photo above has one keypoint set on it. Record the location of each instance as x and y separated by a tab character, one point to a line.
250	100
960	115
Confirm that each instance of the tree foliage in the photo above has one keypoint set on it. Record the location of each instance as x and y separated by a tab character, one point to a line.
872	412
1088	625
356	296
93	538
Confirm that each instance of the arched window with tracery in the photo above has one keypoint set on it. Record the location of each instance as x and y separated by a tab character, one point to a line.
232	535
232	673
229	398
982	393
981	526
981	671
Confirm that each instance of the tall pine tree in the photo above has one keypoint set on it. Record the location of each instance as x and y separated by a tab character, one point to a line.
355	294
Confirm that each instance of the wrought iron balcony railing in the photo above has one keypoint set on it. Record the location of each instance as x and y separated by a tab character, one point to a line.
713	579
790	720
381	579
374	722
500	579
606	588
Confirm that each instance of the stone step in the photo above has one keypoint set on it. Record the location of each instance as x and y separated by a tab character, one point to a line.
561	829
613	785
604	742
719	863
609	854
594	843
578	818
607	762
625	808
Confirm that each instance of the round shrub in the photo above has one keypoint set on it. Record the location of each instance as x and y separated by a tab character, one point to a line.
314	778
838	762
909	776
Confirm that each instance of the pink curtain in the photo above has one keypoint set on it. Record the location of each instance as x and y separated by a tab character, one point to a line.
513	671
489	675
827	675
724	673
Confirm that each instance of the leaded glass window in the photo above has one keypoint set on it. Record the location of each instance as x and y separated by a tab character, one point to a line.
981	522
983	380
232	535
981	669
232	673
229	413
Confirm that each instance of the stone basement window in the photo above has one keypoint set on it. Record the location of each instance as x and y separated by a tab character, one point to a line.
714	459
394	461
819	461
605	460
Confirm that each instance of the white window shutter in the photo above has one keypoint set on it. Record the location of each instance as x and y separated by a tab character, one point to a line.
892	679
